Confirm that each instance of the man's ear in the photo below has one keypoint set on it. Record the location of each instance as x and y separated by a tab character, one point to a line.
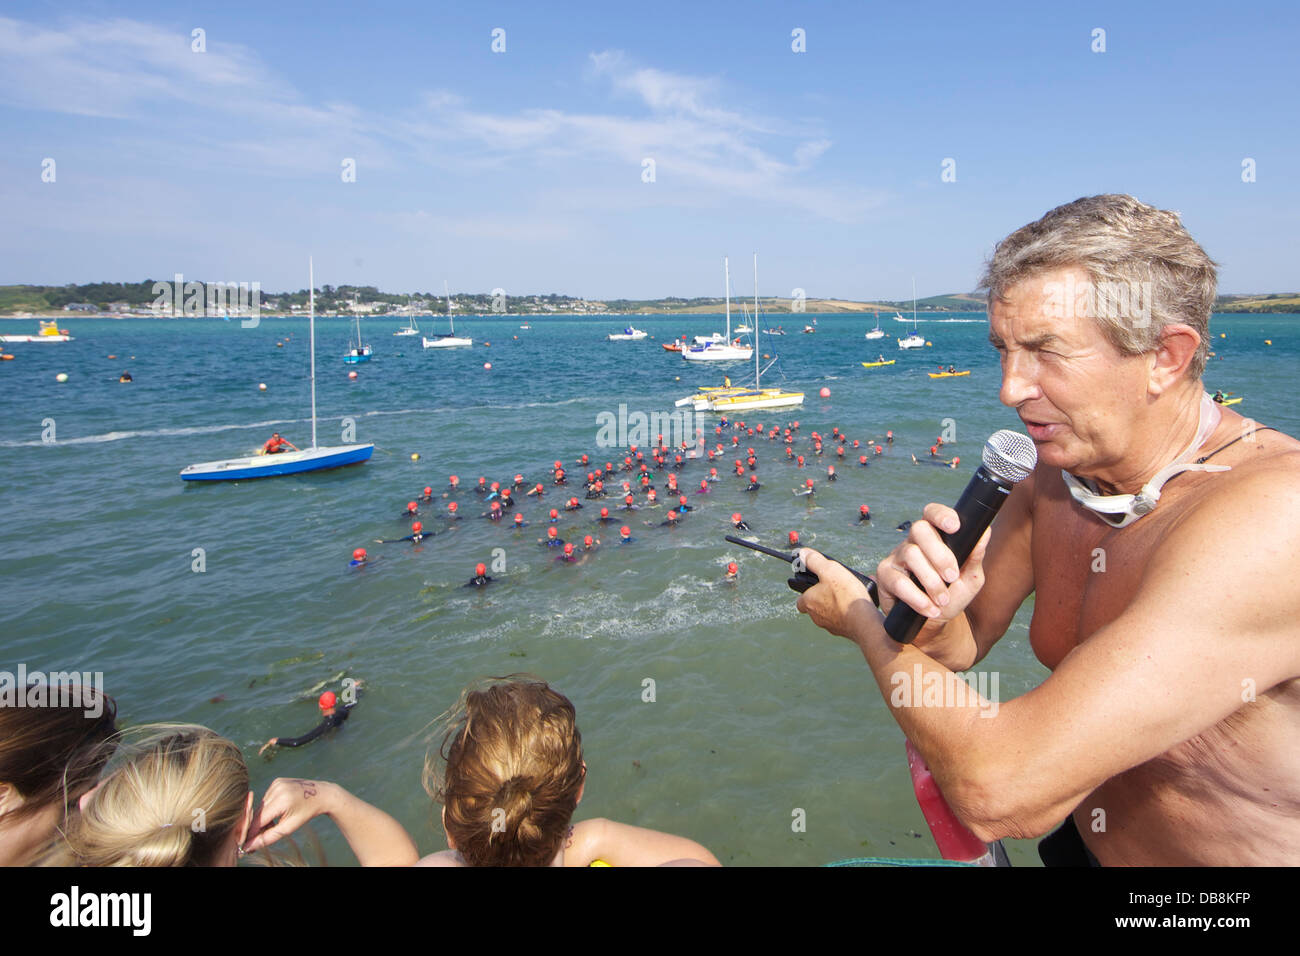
1177	350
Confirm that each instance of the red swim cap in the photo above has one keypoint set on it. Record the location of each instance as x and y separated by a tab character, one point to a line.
359	554
410	506
625	531
568	547
455	480
327	700
558	466
863	509
794	537
809	482
539	486
681	499
554	513
480	568
552	532
732	567
519	519
452	506
427	490
587	541
416	527
604	512
735	517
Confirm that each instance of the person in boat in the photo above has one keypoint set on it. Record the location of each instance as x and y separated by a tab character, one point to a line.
275	444
510	786
332	715
1220	397
864	514
1179	709
125	377
952	369
880	359
726	383
480	578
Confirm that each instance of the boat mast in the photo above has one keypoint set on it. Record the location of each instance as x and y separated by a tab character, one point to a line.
311	312
726	271
447	293
755	332
913	305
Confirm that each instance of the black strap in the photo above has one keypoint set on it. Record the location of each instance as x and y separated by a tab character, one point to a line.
1262	428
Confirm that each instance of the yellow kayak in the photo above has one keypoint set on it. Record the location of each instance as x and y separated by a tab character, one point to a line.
1230	401
948	374
878	364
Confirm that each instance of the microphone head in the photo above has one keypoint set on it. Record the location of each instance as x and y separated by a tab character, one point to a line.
1010	456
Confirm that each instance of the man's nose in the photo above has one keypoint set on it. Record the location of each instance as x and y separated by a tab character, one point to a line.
1019	378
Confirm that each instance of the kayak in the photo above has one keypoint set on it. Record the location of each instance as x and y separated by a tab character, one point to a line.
1230	401
948	374
878	364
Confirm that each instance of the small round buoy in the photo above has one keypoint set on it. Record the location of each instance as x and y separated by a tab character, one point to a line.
488	366
1268	341
825	392
1223	335
516	338
928	344
677	378
487	345
61	377
766	356
261	386
112	356
352	376
415	456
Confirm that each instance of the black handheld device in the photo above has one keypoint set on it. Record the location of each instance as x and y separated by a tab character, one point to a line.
803	579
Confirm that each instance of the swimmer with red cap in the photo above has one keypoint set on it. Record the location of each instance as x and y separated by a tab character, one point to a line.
417	535
567	555
864	514
807	490
331	716
454	483
451	514
682	506
671	521
359	557
493	513
480	578
537	489
733	571
519	521
427	494
412	509
830	473
625	535
629	504
738	522
552	539
753	483
589	543
604	516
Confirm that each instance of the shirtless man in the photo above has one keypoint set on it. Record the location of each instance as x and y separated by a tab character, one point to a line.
1168	728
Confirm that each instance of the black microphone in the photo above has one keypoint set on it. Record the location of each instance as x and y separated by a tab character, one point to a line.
1009	457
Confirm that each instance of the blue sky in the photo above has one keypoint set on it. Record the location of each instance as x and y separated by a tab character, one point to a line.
523	169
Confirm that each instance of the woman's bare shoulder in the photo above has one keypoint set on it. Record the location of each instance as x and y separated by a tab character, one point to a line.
442	858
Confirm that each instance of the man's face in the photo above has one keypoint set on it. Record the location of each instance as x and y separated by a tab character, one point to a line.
1073	390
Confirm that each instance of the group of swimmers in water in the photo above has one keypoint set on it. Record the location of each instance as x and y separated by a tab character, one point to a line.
621	495
77	791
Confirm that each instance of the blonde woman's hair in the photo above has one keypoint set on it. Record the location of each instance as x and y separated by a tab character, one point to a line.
174	800
1145	269
513	770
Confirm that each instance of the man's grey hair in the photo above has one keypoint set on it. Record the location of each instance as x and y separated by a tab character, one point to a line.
1145	269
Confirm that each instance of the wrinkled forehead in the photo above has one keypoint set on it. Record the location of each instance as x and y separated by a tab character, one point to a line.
1052	304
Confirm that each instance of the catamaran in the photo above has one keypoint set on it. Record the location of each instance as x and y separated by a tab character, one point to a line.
447	341
712	350
315	458
913	341
730	398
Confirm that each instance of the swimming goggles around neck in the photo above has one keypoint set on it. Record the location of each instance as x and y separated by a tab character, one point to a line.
1120	511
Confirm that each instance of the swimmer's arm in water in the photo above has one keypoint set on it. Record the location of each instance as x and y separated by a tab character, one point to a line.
619	844
374	836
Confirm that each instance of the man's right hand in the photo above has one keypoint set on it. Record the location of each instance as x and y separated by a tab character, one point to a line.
945	590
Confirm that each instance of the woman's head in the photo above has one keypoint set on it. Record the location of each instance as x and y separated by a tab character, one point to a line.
49	757
180	797
513	773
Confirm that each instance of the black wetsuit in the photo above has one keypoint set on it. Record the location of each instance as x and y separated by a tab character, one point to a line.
741	526
327	723
753	486
478	581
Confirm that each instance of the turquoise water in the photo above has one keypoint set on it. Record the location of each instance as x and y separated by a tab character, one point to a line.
757	712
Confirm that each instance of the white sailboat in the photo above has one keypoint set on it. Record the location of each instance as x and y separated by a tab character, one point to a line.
877	332
741	398
913	341
411	328
315	458
358	352
712	350
447	341
629	334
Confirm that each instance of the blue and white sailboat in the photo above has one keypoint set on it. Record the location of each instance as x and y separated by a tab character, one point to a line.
315	458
